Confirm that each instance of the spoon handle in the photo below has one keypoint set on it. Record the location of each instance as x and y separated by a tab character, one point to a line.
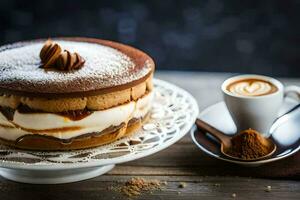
213	131
289	111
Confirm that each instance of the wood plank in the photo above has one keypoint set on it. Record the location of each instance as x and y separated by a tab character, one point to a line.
196	188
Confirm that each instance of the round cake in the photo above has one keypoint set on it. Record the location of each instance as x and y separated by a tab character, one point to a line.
72	93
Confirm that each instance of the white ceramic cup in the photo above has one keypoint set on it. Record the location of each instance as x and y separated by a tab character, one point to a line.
256	112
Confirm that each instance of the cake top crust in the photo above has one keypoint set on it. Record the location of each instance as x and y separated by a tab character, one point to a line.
108	67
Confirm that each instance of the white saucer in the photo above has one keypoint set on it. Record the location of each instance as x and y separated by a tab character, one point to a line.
172	115
285	133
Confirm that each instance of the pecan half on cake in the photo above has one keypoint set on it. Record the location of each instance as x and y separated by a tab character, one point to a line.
72	93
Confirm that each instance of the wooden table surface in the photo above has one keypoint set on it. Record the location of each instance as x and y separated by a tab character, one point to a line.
182	162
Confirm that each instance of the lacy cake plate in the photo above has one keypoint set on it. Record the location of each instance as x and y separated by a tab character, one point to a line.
172	115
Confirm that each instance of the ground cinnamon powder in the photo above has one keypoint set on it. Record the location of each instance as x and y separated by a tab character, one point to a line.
136	186
248	144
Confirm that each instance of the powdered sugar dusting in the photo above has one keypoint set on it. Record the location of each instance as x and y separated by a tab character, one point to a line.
104	67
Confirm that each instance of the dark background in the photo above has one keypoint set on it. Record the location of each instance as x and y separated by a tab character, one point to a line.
216	35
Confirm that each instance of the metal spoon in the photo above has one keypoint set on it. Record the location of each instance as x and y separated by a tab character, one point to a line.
225	140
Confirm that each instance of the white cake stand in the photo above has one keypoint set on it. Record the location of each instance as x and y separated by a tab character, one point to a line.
172	115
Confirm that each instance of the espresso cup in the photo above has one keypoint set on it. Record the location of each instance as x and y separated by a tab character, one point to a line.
255	104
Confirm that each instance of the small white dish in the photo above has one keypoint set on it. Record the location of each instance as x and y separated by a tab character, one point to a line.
285	133
173	113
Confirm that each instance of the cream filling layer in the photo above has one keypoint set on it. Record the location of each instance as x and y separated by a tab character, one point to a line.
46	123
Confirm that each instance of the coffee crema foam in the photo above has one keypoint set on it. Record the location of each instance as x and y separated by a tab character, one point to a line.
251	87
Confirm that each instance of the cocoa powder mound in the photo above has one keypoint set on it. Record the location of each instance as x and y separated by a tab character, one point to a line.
248	144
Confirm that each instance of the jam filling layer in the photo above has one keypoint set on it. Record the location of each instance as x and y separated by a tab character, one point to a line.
71	114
